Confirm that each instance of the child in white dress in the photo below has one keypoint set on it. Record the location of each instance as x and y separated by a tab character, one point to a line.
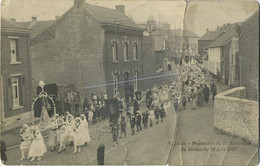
61	134
52	142
38	147
85	132
70	126
79	137
26	140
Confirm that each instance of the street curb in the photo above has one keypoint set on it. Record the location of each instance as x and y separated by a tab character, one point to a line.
174	138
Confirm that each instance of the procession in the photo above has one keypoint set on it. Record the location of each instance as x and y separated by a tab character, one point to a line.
72	130
87	82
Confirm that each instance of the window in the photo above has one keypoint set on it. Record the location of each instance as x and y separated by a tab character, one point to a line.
15	90
115	51
13	51
136	81
135	53
115	83
126	58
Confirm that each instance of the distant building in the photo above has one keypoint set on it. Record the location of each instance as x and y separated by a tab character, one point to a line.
208	37
96	49
170	45
249	56
15	75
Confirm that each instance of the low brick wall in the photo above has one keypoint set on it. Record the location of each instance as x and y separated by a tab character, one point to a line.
236	116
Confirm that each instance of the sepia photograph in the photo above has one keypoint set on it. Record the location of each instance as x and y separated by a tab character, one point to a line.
127	82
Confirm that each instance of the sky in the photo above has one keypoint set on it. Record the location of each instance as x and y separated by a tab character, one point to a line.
199	15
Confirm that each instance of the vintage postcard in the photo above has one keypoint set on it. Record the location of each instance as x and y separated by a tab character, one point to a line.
126	82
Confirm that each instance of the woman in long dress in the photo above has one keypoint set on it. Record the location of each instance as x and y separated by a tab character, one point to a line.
26	140
38	147
45	119
79	138
85	132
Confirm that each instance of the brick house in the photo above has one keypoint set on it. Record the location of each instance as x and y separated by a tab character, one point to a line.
249	54
94	48
15	75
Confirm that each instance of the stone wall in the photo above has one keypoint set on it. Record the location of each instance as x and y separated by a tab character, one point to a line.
249	51
236	116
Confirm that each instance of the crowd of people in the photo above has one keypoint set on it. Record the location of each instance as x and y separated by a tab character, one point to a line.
191	87
61	130
195	88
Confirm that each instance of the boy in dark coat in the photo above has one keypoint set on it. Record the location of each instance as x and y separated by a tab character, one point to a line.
162	112
214	91
156	114
184	102
136	107
123	127
206	93
132	123
138	121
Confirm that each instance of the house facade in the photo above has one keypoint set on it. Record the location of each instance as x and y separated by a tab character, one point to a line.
94	48
222	52
15	75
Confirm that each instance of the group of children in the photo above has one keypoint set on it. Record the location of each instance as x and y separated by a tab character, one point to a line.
157	102
61	130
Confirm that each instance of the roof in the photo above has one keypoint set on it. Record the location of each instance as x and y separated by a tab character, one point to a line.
8	24
37	27
225	37
104	15
210	35
107	15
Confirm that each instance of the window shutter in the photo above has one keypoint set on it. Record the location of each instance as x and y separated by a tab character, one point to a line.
9	96
17	52
21	85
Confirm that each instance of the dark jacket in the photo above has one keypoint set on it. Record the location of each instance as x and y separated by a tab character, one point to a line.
3	150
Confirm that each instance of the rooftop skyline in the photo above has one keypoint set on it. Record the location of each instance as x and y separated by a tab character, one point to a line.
198	17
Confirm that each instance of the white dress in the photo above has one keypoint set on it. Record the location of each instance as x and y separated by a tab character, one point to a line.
85	132
26	140
38	147
69	130
79	139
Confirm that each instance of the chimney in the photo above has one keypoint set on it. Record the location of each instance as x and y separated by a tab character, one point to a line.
79	3
56	17
12	20
34	18
218	27
207	29
120	8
